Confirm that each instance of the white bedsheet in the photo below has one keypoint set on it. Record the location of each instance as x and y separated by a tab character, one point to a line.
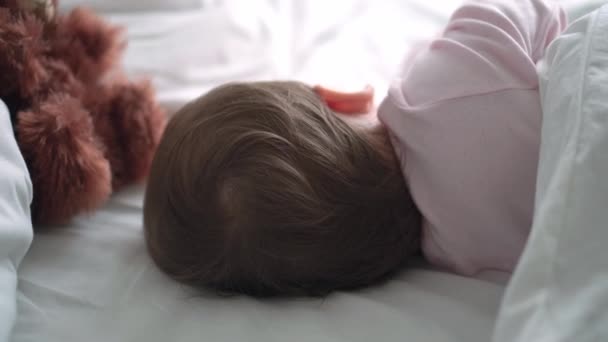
93	281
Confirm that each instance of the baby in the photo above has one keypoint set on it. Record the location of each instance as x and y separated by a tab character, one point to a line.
273	188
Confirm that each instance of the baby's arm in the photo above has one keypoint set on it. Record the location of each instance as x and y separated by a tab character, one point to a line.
488	45
528	25
465	118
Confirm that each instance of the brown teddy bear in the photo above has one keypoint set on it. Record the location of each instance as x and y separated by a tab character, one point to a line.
84	130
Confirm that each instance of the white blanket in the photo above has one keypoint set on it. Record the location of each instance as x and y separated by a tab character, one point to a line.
15	226
559	292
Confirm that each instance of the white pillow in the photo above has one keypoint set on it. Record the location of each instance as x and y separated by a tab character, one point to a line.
559	291
15	223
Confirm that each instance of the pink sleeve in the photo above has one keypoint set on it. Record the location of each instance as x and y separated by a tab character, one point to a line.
486	46
464	117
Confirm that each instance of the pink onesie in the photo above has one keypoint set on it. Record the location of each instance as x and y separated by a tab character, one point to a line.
465	117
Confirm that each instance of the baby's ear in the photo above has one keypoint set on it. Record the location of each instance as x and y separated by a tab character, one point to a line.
347	103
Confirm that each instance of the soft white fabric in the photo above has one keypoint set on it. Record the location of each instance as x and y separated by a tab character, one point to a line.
188	52
15	223
579	8
344	43
559	292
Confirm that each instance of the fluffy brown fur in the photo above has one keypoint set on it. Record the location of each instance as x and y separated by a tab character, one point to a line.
83	128
125	106
88	45
68	168
21	47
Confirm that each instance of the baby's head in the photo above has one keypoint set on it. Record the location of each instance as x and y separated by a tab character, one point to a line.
260	188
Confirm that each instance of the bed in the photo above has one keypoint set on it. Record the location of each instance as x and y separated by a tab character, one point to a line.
93	281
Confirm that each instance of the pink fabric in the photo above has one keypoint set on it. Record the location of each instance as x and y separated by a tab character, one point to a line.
465	119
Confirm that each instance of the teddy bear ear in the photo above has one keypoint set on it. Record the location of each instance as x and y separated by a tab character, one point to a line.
87	44
21	73
43	9
69	171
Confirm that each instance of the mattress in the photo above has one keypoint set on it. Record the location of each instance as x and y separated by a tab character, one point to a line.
92	279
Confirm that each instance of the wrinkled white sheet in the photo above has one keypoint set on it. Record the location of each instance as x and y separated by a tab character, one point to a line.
94	282
559	292
341	43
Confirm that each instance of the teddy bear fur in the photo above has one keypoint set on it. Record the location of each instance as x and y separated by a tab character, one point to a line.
83	128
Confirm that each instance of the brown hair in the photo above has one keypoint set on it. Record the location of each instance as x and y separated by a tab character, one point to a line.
259	188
